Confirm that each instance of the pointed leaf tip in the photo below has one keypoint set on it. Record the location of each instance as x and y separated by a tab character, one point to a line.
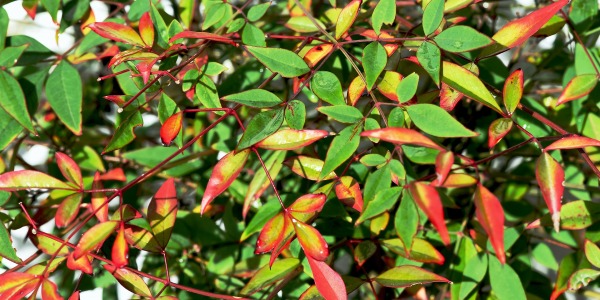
550	177
171	128
490	214
223	174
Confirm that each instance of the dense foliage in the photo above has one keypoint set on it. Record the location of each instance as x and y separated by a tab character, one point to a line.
300	148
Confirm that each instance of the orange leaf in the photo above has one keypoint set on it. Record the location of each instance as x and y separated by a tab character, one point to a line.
428	199
550	177
348	191
116	174
68	210
74	296
389	84
11	280
311	241
328	282
578	87
356	88
271	234
490	214
202	35
50	291
162	212
83	264
69	168
20	292
401	136
291	139
120	249
458	180
513	91
99	200
308	203
118	33
147	29
449	97
223	174
317	53
443	164
498	129
94	237
573	142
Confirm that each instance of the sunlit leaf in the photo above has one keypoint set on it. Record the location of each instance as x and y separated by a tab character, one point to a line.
290	139
317	53
374	59
592	253
308	203
428	200
171	128
27	179
327	87
260	180
268	275
328	282
50	291
11	280
202	36
449	97
223	174
550	177
342	148
421	250
407	88
384	13
355	90
461	38
141	238
254	98
162	212
6	248
435	121
308	167
285	62
120	249
348	192
261	126
443	165
402	136
433	15
68	210
469	84
83	264
129	280
430	58
582	277
578	87
513	91
573	142
117	32
342	113
388	86
147	29
346	18
490	214
94	237
311	241
99	205
69	168
499	128
405	276
384	200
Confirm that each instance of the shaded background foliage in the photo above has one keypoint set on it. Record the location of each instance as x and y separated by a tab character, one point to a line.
154	115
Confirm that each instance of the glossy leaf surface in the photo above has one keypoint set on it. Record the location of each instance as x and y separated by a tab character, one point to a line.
573	142
491	216
578	87
461	38
290	139
513	91
162	212
401	136
406	276
550	177
285	62
436	121
27	179
94	237
328	282
468	83
223	174
118	33
428	199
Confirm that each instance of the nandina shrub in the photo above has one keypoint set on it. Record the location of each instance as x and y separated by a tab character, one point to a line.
300	149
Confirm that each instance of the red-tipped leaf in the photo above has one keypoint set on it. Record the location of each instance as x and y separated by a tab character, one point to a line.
573	142
69	168
291	139
171	128
308	203
83	264
99	206
513	91
428	199
129	280
348	192
443	164
316	54
490	214
406	276
223	174
328	282
449	97
271	234
50	291
499	128
120	249
579	86
401	136
311	241
27	179
147	29
550	177
68	210
118	33
116	174
94	237
162	212
203	36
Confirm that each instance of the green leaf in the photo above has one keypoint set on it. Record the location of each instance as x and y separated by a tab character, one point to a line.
253	36
371	160
129	280
407	88
473	274
583	14
469	84
236	25
12	100
430	58
206	93
328	88
592	253
435	121
342	147
257	11
285	62
254	98
406	221
93	237
505	282
377	181
162	32
374	59
384	13
295	114
64	91
342	113
461	38
266	275
581	278
52	7
422	250
432	16
543	255
303	24
214	14
6	249
261	126
125	131
10	55
384	200
9	127
406	276
3	26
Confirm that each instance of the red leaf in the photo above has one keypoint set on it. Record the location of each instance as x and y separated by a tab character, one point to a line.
449	97
147	29
31	8
202	35
94	237
573	142
271	234
317	53
99	200
490	214
498	129
162	212
50	291
83	264
12	280
578	87
291	139
428	199
328	282
550	177
27	179
116	174
311	241
223	174
118	33
68	210
20	292
348	191
516	32
443	164
458	180
513	91
401	136
69	168
120	249
74	296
